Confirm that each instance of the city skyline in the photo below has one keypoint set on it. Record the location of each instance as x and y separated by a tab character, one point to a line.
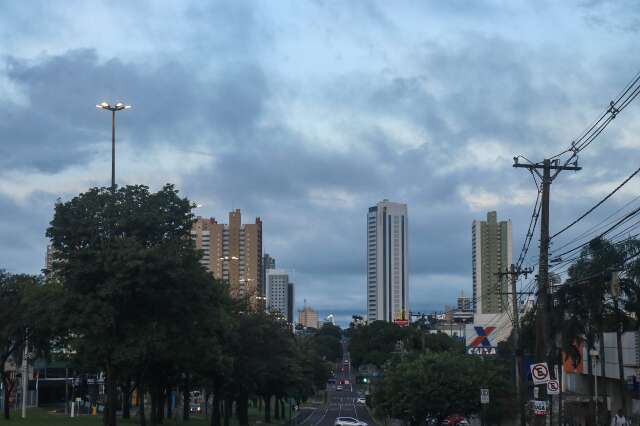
307	113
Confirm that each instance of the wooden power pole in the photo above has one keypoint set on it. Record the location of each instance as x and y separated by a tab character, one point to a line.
543	303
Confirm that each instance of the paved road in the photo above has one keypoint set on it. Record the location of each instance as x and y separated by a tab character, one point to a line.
341	403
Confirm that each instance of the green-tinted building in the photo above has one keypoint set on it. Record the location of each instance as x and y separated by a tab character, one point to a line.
492	253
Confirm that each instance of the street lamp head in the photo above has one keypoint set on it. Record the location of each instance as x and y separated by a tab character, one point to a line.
117	107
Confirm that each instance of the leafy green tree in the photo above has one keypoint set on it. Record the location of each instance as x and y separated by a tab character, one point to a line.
584	306
440	384
129	270
26	312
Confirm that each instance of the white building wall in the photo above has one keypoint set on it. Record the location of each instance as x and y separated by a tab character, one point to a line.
277	290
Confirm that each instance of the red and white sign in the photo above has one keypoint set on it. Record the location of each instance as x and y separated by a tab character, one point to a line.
539	408
540	373
553	387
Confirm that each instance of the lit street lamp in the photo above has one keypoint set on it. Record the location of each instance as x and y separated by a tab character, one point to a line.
113	108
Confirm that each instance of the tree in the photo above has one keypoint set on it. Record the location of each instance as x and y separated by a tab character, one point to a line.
440	384
25	313
128	269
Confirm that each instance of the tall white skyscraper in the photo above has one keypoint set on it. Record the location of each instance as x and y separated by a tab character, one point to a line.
387	262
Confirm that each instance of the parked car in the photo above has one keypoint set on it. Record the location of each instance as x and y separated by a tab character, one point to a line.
348	421
455	420
196	408
339	388
361	400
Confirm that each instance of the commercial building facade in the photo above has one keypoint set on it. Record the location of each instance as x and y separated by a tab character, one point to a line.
232	253
491	254
387	262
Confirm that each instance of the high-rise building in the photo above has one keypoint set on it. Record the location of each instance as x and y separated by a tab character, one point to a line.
279	291
268	262
464	303
232	253
492	251
291	300
307	317
387	262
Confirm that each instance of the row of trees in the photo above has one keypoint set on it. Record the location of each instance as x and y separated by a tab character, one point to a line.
127	296
377	342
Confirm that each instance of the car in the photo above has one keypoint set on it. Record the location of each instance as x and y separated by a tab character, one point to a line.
454	420
348	421
339	388
196	408
361	400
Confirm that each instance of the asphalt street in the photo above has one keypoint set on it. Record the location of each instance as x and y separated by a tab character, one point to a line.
341	403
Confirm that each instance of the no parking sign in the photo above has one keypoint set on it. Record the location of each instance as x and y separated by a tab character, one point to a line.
540	373
553	387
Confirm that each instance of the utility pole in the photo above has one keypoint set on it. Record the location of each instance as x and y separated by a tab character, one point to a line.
513	272
25	372
543	305
615	292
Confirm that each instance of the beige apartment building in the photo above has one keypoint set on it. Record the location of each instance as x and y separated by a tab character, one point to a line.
232	252
308	317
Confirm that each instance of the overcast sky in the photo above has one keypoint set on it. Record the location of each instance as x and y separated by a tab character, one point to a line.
306	113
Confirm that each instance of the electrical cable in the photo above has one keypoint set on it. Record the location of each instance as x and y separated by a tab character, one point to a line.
598	204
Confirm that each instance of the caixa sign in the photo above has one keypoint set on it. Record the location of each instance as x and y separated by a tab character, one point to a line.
480	340
481	351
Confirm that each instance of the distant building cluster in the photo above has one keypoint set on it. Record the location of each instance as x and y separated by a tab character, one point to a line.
387	274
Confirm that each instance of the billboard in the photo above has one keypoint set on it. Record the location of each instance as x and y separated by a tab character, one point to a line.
481	340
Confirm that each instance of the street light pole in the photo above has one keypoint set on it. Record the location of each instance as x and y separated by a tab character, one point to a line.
594	357
113	108
113	149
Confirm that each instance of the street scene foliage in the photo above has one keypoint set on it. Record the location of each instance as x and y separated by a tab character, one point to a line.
127	296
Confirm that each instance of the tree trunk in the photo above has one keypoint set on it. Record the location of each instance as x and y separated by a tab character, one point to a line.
215	409
126	401
112	397
186	397
267	408
160	405
141	414
276	408
154	406
169	394
243	409
228	404
282	415
7	392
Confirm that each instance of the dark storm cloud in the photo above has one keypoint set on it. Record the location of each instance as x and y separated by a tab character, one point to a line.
170	101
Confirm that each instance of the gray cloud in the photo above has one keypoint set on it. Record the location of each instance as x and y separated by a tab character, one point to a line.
449	115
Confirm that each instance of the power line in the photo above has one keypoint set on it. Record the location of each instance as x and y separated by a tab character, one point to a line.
598	204
598	225
611	228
